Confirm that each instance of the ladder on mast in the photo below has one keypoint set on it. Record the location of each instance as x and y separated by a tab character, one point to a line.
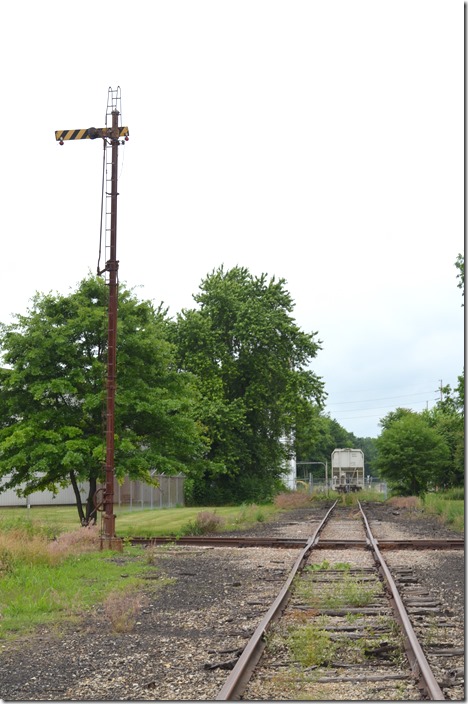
114	105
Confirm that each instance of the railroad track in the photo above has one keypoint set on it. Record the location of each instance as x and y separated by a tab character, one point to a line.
337	636
192	634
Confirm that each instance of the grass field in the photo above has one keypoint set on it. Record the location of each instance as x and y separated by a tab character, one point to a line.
150	522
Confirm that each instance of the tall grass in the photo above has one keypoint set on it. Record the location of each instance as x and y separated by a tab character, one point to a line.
293	499
43	581
449	510
49	572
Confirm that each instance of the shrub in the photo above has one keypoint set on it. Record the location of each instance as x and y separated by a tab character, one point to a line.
259	515
205	522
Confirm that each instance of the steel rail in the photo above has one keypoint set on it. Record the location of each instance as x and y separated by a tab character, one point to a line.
423	544
418	663
223	541
241	673
275	542
401	544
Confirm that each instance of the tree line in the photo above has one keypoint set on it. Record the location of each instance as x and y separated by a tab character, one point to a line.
215	393
224	392
419	452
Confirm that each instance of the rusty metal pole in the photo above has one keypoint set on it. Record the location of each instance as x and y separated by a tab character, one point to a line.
112	266
110	135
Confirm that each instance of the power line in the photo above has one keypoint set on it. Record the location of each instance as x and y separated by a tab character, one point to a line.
373	408
375	415
383	398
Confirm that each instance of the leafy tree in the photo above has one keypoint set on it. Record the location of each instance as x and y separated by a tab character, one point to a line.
447	418
460	264
52	390
450	427
369	447
251	360
317	435
410	453
393	416
445	423
460	393
313	437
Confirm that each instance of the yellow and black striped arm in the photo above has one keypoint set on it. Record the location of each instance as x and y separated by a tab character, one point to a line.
90	133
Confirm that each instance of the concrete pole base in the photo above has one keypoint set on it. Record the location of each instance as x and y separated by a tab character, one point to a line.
112	544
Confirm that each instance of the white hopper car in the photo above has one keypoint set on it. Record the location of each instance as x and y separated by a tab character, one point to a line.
347	469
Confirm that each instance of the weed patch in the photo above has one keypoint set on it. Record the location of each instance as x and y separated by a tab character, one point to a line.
122	608
449	510
348	591
325	565
292	499
410	502
310	645
46	581
205	522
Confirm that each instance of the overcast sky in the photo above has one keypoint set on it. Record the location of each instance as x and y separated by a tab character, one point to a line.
320	142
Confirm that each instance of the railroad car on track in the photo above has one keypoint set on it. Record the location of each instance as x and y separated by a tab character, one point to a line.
347	469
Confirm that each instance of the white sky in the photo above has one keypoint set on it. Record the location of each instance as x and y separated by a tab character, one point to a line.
320	142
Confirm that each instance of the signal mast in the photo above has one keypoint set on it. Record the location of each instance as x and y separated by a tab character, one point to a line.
112	136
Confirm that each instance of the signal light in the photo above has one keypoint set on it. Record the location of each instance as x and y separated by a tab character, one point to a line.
61	142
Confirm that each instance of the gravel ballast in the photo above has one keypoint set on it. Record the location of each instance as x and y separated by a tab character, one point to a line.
190	632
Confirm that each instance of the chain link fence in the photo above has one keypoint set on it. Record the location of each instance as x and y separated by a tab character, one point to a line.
309	484
130	494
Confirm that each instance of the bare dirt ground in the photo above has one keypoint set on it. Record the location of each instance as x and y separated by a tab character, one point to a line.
188	633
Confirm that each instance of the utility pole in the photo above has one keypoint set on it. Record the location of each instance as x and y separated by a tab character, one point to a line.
441	391
111	136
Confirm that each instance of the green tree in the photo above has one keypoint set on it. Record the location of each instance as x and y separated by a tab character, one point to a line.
447	418
369	448
460	264
316	436
52	390
393	416
410	454
460	393
251	360
313	437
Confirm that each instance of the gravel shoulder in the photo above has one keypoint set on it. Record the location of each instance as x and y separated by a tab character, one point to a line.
189	632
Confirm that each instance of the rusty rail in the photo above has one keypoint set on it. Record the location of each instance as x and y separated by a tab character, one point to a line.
275	542
240	675
418	663
223	541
